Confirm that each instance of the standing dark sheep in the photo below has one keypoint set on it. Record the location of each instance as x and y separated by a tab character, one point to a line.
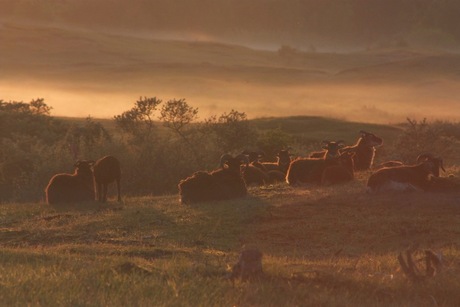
76	187
106	171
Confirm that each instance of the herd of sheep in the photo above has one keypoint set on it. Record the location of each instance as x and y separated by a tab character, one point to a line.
336	163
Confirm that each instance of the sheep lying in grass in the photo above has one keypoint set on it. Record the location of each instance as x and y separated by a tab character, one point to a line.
254	172
106	170
68	188
331	150
364	150
310	170
223	183
283	159
342	172
402	178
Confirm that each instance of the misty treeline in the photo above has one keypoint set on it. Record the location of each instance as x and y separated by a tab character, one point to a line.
344	20
159	143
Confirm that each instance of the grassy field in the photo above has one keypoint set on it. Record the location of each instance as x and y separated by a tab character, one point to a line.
323	246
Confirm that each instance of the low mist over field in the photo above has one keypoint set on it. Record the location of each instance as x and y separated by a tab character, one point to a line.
90	58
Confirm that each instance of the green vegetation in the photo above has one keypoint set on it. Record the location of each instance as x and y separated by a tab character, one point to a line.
159	143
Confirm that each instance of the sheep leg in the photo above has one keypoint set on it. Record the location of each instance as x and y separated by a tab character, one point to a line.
118	189
105	192
99	191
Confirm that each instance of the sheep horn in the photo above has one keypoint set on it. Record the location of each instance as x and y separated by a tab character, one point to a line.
424	157
224	158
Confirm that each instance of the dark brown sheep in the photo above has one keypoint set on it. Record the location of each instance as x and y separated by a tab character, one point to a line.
402	178
106	170
331	150
68	188
437	161
220	184
283	159
340	173
310	170
364	150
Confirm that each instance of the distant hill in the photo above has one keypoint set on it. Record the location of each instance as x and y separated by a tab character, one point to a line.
81	72
327	24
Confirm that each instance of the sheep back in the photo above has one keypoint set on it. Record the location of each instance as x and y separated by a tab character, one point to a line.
67	188
306	170
401	178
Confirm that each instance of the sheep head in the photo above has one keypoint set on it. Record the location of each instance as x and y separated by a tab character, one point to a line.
233	164
369	139
253	156
332	148
437	162
84	167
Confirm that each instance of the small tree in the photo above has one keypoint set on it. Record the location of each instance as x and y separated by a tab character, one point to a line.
232	131
420	137
177	115
138	122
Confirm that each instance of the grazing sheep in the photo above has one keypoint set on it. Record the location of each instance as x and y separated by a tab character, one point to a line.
340	173
106	171
364	150
331	150
402	178
76	187
220	184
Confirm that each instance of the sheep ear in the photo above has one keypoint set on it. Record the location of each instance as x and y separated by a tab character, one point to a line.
441	165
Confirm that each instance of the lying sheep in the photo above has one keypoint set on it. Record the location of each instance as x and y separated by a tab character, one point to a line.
402	178
254	175
76	187
223	183
283	159
310	170
106	170
364	150
342	172
331	150
437	161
